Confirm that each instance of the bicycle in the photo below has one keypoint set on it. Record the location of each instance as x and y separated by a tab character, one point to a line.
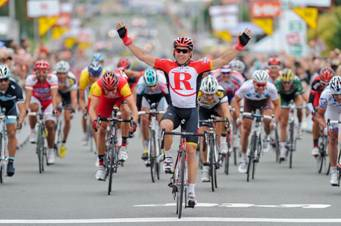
178	181
41	136
256	142
111	156
291	144
3	143
322	158
212	150
59	129
154	142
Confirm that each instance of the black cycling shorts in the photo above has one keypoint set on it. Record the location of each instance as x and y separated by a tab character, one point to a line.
189	115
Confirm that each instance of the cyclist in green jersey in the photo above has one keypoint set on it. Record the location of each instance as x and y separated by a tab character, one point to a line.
289	88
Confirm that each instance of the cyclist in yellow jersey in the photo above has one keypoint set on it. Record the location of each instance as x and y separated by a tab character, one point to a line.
88	76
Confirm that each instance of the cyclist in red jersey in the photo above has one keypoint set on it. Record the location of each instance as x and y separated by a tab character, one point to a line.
42	93
183	78
319	83
274	68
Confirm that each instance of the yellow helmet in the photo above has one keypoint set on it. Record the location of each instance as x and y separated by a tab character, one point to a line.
287	75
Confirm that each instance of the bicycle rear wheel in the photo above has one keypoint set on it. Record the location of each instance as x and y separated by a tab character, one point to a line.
251	156
292	143
181	184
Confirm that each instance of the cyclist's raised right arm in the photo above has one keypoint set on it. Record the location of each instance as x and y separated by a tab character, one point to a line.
138	52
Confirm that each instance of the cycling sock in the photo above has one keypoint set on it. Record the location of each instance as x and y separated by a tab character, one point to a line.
244	157
145	144
101	160
124	141
316	143
11	158
167	153
191	188
282	144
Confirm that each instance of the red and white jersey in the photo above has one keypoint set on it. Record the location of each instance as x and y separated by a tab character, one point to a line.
42	90
182	80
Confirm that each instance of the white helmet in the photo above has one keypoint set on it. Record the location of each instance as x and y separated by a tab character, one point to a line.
209	85
260	76
62	67
335	84
237	65
4	71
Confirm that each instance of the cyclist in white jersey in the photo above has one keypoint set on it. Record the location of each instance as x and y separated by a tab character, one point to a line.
330	109
257	93
151	89
182	75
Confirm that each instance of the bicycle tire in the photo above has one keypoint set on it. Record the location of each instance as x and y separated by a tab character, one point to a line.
251	155
258	151
152	154
292	143
1	163
213	171
110	168
180	191
39	149
277	150
227	163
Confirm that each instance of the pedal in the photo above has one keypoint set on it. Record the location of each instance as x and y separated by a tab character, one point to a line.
191	204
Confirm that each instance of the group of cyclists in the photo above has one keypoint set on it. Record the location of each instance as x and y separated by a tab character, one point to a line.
186	90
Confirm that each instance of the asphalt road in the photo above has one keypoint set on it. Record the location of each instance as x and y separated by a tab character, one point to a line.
68	193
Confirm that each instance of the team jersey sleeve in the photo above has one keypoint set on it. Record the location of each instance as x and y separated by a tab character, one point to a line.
298	86
202	66
162	64
125	90
18	92
53	81
95	90
324	99
29	82
241	92
84	80
140	86
273	91
73	81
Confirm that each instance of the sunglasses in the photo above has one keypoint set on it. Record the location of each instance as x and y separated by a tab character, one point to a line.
4	80
260	85
5	59
287	82
182	51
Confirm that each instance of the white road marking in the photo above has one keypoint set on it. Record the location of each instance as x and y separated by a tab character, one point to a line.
244	205
174	219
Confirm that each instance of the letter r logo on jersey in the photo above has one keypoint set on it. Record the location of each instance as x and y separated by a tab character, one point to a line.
184	79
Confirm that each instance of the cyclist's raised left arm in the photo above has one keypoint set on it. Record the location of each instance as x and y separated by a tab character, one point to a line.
229	54
127	41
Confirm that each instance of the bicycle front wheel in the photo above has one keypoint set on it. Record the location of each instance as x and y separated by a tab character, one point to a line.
110	168
213	170
181	184
40	148
250	164
292	143
1	163
152	156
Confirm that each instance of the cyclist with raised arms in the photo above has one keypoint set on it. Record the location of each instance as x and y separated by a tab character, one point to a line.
330	109
289	88
182	75
317	86
212	101
109	91
41	93
67	90
11	98
258	93
151	89
88	76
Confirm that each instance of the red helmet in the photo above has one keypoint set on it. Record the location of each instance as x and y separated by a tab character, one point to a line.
183	42
326	74
41	65
110	79
123	63
274	61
